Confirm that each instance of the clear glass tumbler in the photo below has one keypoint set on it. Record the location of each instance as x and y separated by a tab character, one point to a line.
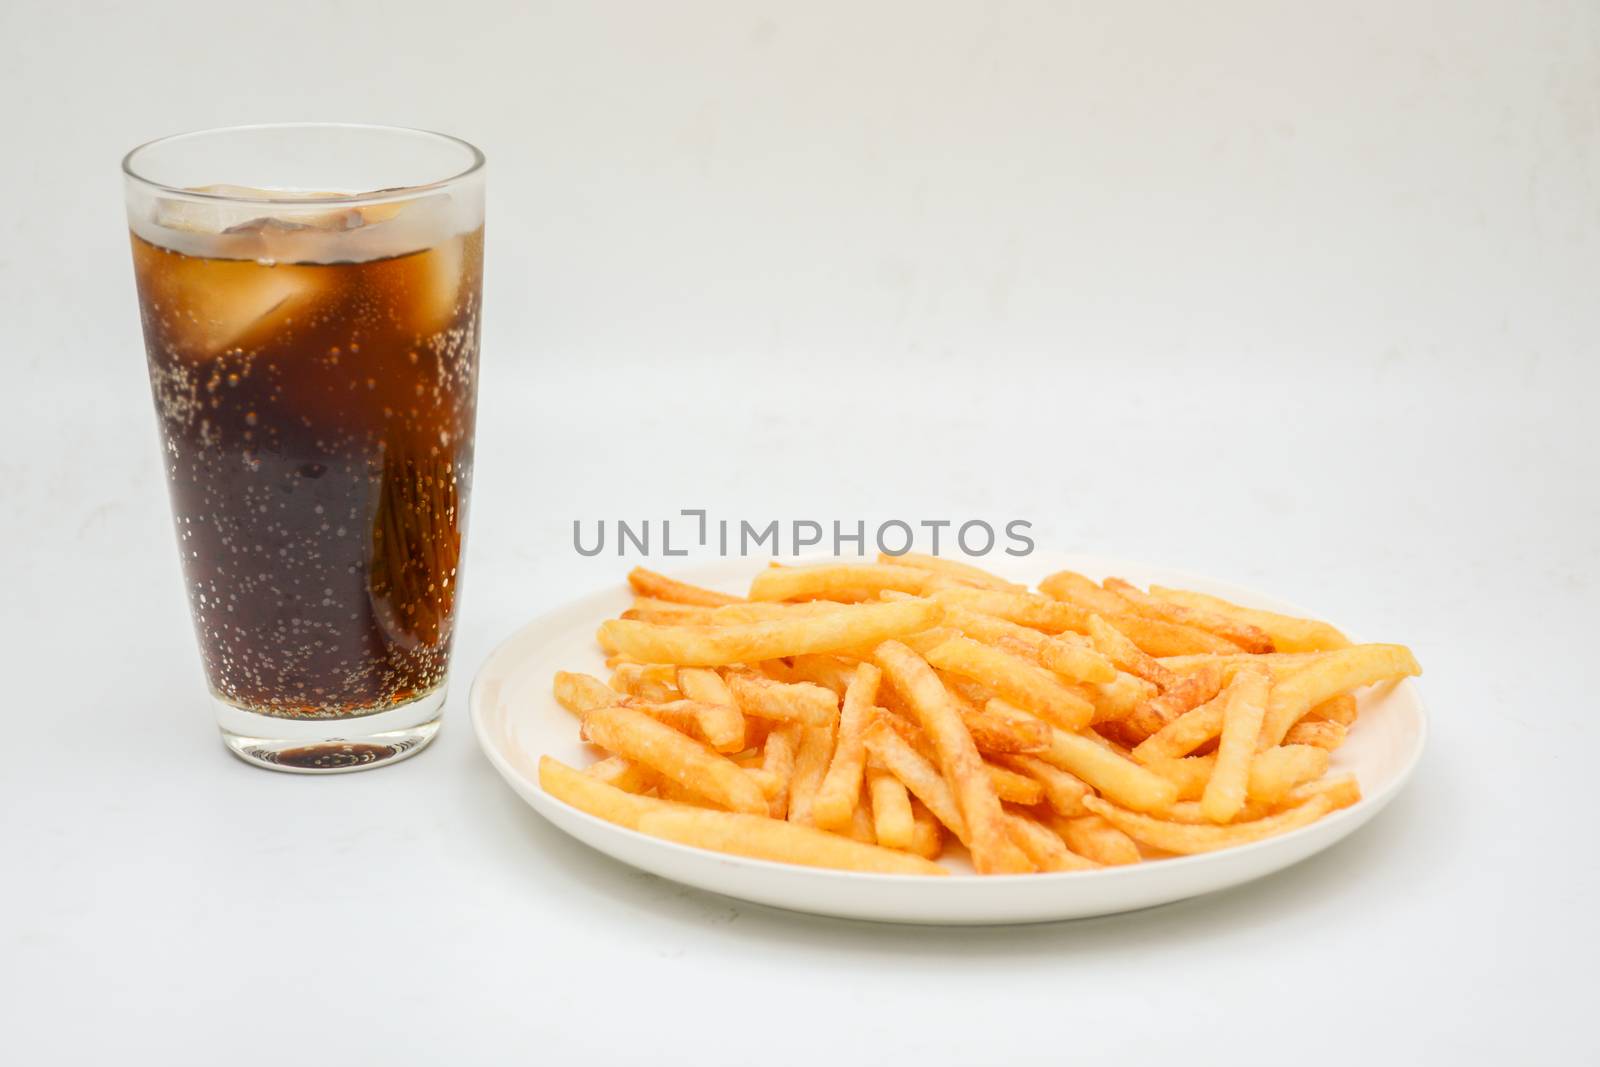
310	296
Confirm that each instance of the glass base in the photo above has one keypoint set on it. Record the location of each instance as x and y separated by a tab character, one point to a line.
331	746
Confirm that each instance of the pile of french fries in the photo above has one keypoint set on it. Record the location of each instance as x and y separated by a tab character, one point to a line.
862	715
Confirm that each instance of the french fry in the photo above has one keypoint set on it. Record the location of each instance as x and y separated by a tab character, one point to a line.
777	762
1025	609
631	733
1342	791
995	730
991	847
1187	839
594	796
1243	710
1275	771
716	725
623	774
1186	733
841	628
841	785
783	842
1079	662
823	581
1157	637
1075	588
1116	646
648	681
964	573
1064	792
1093	837
1112	774
1340	709
1332	674
1012	787
1245	635
1115	701
1288	633
1044	847
892	752
1187	693
927	834
648	583
810	765
830	672
704	685
579	693
892	821
862	828
651	609
1189	773
1323	734
801	702
1015	679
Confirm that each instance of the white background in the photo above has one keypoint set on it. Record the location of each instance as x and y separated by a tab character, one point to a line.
1300	296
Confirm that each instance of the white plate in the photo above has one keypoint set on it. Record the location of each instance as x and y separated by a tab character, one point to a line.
517	720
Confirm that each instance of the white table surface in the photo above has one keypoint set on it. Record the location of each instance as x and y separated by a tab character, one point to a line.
1303	302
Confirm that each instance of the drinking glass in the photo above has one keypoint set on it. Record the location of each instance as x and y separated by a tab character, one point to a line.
310	296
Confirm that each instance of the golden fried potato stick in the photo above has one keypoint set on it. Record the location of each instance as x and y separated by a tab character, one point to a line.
1112	774
1323	734
991	847
1247	636
1332	674
1067	654
824	581
1115	646
810	764
1186	733
927	834
892	821
1020	682
1044	847
1340	709
1187	693
620	773
1157	637
965	573
1342	791
631	733
1115	701
840	628
763	698
595	796
647	681
1243	710
892	752
1024	609
777	762
1189	773
841	785
652	609
1275	771
1013	787
782	842
648	583
704	685
995	730
1186	839
579	693
1288	633
1075	588
831	672
1093	837
1064	792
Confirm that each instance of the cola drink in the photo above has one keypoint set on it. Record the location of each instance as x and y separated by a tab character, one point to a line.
315	376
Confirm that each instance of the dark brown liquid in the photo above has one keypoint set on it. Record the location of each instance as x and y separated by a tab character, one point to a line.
317	426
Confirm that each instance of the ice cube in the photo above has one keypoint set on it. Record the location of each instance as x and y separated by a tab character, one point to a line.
208	306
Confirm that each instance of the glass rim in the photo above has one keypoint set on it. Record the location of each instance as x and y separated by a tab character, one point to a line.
399	192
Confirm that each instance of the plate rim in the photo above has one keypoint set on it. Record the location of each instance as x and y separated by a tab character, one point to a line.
1336	824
